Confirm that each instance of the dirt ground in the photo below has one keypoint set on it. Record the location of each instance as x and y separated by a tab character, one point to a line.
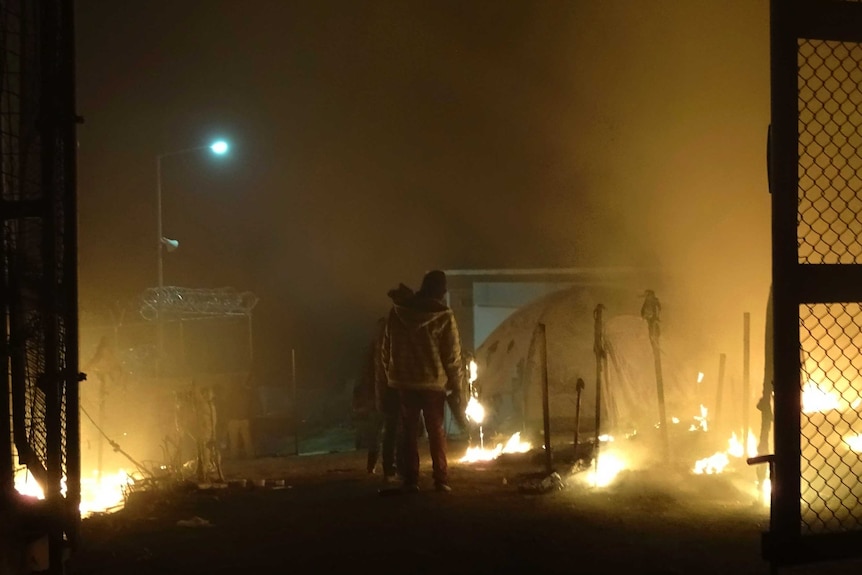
328	517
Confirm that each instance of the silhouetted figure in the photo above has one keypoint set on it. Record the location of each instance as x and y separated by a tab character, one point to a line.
238	411
421	355
379	404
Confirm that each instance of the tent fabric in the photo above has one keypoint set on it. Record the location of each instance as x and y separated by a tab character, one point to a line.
510	374
631	400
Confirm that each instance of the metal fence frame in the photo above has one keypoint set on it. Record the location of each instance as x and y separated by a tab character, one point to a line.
38	285
815	154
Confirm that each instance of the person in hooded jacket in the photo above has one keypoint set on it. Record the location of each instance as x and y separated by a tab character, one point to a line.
379	403
421	356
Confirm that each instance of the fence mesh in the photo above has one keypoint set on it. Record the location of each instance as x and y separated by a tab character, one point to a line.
829	231
37	243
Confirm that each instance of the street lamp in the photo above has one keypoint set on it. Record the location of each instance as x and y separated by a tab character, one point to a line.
219	148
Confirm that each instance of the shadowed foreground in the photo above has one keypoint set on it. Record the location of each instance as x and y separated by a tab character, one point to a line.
329	518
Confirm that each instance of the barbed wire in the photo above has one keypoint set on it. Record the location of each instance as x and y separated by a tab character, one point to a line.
186	302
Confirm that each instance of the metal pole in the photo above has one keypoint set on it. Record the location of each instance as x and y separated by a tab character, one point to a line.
746	379
250	342
295	411
783	175
159	233
7	474
160	329
546	415
101	447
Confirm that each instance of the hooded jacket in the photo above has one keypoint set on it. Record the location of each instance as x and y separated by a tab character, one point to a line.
421	346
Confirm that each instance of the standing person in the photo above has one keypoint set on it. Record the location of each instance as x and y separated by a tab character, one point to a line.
208	465
239	409
380	404
421	356
368	407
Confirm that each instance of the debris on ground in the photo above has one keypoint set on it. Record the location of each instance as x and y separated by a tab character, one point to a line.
542	484
194	522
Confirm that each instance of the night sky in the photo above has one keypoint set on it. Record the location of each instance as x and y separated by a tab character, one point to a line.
375	140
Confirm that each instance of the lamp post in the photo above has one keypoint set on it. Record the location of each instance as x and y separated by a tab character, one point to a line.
219	148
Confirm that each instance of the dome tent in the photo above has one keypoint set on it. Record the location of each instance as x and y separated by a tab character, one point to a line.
509	373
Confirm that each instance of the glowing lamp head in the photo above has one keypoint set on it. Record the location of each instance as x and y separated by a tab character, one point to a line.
220	147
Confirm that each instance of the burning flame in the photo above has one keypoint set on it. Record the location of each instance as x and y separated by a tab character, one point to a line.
854	441
513	445
475	411
474	371
608	467
105	493
701	420
816	399
97	494
766	492
722	460
717	462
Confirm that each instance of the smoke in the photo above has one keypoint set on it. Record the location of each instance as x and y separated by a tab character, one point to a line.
379	141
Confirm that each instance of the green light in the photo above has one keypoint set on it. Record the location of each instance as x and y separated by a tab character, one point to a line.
220	147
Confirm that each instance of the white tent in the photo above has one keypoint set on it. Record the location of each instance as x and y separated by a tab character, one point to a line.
510	376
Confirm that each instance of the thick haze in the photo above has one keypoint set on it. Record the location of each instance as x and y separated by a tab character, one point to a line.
375	140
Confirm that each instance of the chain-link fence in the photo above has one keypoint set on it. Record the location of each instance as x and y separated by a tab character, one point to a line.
38	284
816	164
830	232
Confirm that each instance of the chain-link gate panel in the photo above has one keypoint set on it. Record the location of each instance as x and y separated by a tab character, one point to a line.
830	152
816	180
830	232
831	428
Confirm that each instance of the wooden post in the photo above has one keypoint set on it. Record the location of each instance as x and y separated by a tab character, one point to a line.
651	312
719	393
599	350
546	415
579	386
746	379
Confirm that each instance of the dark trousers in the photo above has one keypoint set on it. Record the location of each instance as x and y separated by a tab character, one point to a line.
385	424
431	405
382	438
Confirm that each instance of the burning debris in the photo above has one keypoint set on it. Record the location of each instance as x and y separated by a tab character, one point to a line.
475	412
98	494
480	453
